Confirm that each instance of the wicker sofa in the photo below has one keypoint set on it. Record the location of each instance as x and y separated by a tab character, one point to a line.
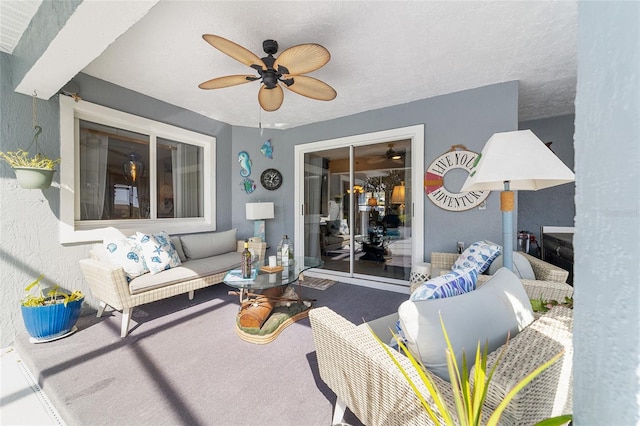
364	378
109	284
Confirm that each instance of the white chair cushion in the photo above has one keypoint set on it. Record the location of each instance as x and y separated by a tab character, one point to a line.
521	266
490	313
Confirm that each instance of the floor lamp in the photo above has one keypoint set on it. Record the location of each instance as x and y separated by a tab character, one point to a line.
515	161
258	212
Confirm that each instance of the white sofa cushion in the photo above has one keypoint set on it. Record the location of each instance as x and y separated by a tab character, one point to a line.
189	270
199	246
501	306
178	245
521	266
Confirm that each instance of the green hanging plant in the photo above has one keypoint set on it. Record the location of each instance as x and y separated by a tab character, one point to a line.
22	158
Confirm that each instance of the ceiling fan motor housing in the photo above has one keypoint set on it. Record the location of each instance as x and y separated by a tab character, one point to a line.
270	47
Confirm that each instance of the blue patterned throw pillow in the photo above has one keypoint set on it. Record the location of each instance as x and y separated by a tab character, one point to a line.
158	251
452	284
478	255
126	253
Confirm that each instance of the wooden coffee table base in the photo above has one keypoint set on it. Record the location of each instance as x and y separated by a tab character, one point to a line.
280	318
259	338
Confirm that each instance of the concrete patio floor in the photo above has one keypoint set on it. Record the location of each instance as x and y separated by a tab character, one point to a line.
22	401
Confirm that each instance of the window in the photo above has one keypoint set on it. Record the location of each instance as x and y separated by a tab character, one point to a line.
128	173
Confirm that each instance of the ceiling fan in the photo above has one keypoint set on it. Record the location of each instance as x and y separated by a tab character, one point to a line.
288	68
390	154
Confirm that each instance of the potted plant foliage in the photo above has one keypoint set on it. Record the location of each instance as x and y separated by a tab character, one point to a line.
468	398
51	316
32	172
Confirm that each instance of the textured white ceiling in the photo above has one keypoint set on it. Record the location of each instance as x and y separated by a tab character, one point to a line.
382	54
14	20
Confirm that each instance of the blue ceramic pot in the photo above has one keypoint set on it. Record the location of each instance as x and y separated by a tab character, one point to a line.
50	321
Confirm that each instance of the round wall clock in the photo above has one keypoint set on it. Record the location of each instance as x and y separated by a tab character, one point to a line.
271	179
434	182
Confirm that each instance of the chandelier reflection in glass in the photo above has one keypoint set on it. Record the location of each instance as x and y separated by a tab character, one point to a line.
133	167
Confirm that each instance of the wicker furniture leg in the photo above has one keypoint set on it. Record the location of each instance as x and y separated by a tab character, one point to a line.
126	319
338	412
101	309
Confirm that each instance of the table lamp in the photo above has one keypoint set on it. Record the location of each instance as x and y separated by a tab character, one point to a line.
519	161
258	212
397	196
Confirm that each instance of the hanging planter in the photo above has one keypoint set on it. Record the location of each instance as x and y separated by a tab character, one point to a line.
32	172
33	178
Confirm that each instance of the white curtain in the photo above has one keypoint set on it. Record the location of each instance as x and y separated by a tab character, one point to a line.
189	197
94	152
313	201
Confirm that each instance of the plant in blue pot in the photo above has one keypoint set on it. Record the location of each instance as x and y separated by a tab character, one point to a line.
51	316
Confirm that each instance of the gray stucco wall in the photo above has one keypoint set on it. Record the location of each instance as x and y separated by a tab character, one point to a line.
29	218
468	118
552	206
607	241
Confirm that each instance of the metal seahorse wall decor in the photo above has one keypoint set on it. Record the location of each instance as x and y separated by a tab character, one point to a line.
245	163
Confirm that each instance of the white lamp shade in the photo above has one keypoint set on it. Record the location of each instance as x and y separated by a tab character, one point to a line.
258	211
520	158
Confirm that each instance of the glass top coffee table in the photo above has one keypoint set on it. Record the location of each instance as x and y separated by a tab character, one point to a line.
266	307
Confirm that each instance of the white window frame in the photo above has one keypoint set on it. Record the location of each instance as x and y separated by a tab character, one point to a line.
73	230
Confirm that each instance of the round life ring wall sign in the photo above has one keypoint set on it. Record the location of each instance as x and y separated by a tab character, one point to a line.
434	182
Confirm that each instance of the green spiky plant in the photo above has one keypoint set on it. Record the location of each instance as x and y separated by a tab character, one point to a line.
542	306
52	297
469	399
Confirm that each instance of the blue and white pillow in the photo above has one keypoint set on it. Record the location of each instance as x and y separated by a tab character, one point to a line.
158	251
478	255
452	284
126	253
393	343
344	227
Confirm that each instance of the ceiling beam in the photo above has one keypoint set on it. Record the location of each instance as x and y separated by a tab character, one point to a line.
89	31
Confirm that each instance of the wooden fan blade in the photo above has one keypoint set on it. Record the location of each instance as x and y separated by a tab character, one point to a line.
270	99
230	80
303	58
312	88
234	50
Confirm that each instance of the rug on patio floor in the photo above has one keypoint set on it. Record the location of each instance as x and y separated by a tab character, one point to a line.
317	283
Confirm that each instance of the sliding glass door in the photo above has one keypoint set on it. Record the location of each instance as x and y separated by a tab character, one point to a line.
357	209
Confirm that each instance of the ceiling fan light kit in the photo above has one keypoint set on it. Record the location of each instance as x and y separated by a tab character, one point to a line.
288	68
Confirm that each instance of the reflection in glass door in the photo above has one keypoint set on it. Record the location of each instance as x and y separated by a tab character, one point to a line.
356	216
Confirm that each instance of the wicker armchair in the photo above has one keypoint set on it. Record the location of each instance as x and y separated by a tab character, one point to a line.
358	370
550	282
